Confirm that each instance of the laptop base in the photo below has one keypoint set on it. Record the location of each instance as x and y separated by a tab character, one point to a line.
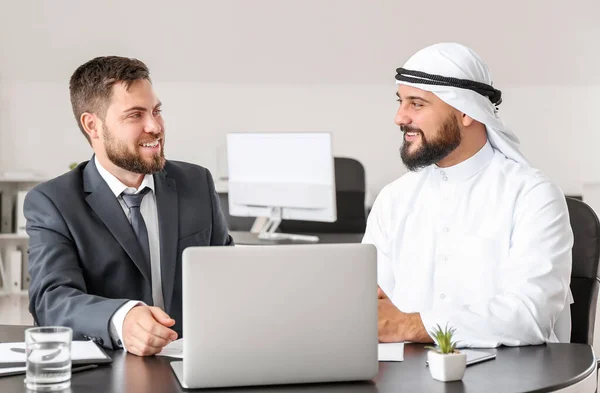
178	370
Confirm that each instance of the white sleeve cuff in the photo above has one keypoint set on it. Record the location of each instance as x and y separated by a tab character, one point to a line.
116	322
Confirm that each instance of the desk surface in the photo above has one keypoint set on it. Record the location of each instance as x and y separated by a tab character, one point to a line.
524	369
248	238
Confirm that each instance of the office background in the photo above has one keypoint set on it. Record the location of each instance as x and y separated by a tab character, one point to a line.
268	65
225	66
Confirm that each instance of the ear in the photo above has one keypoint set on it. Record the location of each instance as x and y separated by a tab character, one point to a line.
91	124
466	120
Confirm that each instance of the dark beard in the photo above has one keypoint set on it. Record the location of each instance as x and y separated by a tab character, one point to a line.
430	153
119	155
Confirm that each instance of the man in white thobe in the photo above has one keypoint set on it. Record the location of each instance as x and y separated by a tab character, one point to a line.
472	237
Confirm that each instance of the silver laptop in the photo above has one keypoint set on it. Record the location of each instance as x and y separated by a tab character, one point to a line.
265	315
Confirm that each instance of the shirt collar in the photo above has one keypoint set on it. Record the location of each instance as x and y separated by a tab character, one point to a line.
468	168
115	184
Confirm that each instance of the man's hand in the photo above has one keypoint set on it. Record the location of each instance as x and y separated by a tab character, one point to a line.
397	326
146	330
389	319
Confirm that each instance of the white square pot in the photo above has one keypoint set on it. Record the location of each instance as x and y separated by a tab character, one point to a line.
446	368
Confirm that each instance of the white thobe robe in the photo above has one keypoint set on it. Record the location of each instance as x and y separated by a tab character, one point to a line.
483	246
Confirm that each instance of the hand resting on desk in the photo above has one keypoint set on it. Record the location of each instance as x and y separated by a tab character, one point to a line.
397	326
146	330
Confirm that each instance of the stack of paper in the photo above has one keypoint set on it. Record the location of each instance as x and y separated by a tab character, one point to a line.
393	352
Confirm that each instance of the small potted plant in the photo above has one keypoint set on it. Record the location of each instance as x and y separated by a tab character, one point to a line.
446	363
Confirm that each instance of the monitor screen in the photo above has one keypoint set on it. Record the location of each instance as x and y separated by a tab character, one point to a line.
290	171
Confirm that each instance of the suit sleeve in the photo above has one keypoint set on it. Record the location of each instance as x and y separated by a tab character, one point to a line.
220	233
57	291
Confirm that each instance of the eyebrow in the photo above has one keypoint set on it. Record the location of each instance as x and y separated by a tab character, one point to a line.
412	98
141	108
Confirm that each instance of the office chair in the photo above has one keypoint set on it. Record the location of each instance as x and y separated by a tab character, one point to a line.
350	185
584	274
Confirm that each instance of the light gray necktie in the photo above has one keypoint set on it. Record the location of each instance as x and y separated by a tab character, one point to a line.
133	202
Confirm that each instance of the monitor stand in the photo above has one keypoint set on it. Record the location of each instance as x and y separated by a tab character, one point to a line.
268	230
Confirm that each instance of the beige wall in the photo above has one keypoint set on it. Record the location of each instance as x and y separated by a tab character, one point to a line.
222	66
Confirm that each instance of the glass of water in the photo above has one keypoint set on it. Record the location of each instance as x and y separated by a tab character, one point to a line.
48	352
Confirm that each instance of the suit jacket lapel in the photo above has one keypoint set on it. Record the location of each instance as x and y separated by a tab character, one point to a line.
107	207
168	213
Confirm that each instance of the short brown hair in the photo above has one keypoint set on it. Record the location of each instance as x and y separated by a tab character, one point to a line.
91	84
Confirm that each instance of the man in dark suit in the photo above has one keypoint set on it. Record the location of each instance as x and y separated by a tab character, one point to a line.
106	238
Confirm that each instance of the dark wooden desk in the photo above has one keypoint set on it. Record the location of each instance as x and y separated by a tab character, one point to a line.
247	238
545	368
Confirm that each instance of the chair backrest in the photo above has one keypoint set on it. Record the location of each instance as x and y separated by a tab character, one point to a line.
350	185
234	223
584	274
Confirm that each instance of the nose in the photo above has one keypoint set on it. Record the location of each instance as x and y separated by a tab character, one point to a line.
153	126
402	117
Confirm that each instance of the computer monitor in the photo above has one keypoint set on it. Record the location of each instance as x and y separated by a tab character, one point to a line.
281	176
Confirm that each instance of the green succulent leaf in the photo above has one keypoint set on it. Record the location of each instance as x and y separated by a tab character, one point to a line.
444	339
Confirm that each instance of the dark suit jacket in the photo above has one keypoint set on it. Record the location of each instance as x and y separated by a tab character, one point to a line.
84	258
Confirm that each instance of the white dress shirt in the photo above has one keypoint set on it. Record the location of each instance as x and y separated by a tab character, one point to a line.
484	246
150	215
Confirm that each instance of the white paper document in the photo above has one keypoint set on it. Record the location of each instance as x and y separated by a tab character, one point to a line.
393	352
174	349
80	350
390	352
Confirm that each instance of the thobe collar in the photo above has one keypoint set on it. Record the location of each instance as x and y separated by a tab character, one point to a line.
468	168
